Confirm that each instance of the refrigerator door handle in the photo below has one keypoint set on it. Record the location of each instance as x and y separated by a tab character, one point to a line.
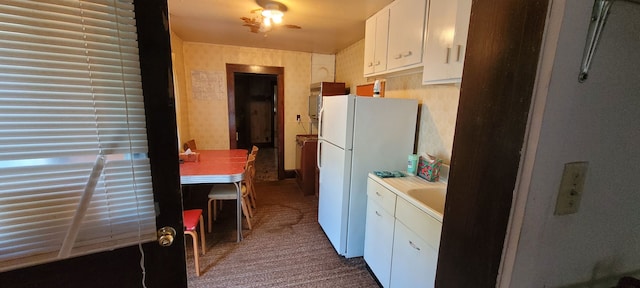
320	113
318	154
320	121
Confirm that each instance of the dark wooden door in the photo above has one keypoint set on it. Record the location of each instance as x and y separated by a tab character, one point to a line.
164	266
499	76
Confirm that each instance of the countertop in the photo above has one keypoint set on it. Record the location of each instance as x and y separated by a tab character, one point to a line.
403	186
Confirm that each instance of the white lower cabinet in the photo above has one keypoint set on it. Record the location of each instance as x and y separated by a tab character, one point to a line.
414	261
401	241
378	241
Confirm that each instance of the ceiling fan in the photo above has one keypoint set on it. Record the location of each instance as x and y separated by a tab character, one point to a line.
267	18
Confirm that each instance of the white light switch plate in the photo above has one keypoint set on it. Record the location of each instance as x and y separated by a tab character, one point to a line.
571	188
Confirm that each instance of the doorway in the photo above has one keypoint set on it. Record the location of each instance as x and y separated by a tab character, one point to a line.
256	96
256	112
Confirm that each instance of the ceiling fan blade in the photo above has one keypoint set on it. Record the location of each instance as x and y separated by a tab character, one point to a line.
247	20
292	26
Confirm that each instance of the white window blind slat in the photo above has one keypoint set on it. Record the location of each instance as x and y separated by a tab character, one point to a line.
70	89
93	225
52	60
62	67
67	11
59	76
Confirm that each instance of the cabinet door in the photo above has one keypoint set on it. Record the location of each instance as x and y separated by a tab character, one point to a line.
414	262
460	39
382	34
378	241
375	42
439	55
369	45
406	33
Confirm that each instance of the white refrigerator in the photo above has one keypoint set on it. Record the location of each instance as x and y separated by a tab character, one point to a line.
358	135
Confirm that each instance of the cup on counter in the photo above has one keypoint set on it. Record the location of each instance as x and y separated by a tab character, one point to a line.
412	164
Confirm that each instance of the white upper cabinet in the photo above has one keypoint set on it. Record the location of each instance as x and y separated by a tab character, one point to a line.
375	42
394	37
406	33
445	46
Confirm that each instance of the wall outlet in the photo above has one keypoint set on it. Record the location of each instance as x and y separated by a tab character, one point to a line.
571	188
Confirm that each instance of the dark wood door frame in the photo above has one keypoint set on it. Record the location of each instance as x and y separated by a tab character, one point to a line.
254	69
501	62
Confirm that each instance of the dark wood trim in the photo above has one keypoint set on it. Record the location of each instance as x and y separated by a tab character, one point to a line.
496	91
254	69
289	173
165	266
231	106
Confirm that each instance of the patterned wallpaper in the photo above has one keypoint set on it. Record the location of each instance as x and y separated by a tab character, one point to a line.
350	66
182	107
206	119
207	115
438	103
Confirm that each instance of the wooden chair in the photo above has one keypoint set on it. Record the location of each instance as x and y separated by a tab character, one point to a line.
228	192
252	191
191	218
250	175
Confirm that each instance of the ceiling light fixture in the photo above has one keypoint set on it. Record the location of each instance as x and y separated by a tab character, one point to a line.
269	16
272	13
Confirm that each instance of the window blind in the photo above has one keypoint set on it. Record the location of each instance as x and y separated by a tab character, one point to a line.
71	104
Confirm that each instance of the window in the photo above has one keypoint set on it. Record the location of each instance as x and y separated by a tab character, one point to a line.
74	173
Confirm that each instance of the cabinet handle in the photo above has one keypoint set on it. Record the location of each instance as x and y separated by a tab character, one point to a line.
370	64
378	193
398	56
407	54
378	213
446	61
414	245
377	62
459	50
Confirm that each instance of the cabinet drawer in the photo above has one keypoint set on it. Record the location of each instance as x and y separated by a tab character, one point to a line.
383	196
427	227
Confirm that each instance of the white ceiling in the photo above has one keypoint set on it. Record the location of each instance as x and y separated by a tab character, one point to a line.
328	26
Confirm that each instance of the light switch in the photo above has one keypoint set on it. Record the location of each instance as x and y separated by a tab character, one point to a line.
571	188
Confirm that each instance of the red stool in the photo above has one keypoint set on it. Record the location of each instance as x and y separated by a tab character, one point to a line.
191	219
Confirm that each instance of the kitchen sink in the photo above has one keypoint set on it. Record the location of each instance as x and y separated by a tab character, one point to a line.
432	197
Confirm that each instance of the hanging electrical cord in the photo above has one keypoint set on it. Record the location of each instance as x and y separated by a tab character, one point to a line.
132	155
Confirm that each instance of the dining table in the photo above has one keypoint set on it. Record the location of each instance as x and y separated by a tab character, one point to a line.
216	167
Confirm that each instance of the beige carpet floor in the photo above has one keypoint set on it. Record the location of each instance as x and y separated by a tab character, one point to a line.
285	248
